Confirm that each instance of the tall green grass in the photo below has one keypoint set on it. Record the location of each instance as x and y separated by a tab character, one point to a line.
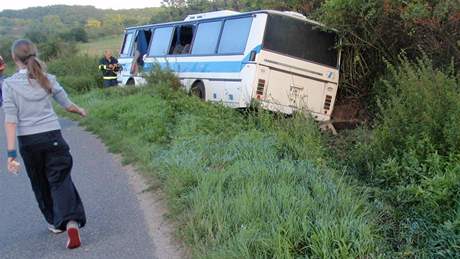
241	184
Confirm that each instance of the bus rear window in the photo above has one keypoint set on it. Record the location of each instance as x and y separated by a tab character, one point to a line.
300	39
127	44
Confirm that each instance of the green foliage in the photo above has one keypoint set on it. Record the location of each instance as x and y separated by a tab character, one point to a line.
376	30
51	29
412	158
419	109
70	23
5	48
76	73
77	34
54	48
241	184
174	10
159	76
198	6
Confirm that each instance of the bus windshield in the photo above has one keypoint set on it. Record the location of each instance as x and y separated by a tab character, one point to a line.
300	39
127	43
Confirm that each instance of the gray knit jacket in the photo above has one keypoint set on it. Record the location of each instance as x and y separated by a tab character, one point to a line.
28	105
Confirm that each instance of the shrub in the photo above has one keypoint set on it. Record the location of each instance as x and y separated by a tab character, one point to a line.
160	77
77	73
55	48
413	157
419	114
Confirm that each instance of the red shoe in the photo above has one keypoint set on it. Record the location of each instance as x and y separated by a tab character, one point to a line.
73	234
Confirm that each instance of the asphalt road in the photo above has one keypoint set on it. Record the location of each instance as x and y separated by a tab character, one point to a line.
116	227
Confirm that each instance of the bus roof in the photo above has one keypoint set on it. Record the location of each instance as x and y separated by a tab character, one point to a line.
288	14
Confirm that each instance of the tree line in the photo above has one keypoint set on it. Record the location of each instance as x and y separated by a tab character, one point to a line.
59	27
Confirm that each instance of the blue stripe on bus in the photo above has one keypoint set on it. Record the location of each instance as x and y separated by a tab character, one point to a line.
204	67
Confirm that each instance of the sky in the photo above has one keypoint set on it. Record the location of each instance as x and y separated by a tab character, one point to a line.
104	4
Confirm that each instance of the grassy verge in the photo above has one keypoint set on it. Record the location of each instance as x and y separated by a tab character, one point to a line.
240	184
247	184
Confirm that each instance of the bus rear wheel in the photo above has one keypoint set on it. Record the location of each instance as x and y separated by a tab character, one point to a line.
198	90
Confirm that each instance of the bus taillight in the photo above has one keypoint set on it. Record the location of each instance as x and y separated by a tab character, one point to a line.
260	88
327	103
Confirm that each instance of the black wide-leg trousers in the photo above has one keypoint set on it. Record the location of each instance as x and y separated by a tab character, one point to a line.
49	163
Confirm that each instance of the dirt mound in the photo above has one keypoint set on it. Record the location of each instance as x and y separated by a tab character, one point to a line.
349	113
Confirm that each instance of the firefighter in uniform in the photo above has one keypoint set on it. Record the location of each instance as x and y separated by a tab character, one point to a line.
109	67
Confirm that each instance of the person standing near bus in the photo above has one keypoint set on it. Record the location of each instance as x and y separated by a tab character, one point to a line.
109	67
30	117
2	76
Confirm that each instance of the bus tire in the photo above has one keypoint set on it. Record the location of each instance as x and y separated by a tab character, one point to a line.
198	90
130	82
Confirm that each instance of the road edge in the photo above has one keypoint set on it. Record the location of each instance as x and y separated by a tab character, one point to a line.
152	204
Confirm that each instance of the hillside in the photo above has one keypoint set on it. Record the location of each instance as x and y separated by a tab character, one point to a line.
57	28
97	47
97	22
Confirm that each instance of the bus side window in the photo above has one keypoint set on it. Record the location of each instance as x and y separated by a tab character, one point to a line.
160	41
141	44
182	40
127	44
206	38
235	36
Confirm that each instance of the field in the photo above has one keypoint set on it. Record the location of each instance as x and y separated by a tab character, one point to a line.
97	47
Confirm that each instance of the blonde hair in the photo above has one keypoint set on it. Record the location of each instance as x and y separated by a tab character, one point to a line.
26	52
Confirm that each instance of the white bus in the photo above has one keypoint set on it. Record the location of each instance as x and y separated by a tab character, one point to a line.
285	61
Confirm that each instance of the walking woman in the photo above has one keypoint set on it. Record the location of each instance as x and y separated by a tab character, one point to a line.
29	114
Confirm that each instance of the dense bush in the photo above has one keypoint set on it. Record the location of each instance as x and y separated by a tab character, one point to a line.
76	73
412	157
376	30
76	34
241	184
54	48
